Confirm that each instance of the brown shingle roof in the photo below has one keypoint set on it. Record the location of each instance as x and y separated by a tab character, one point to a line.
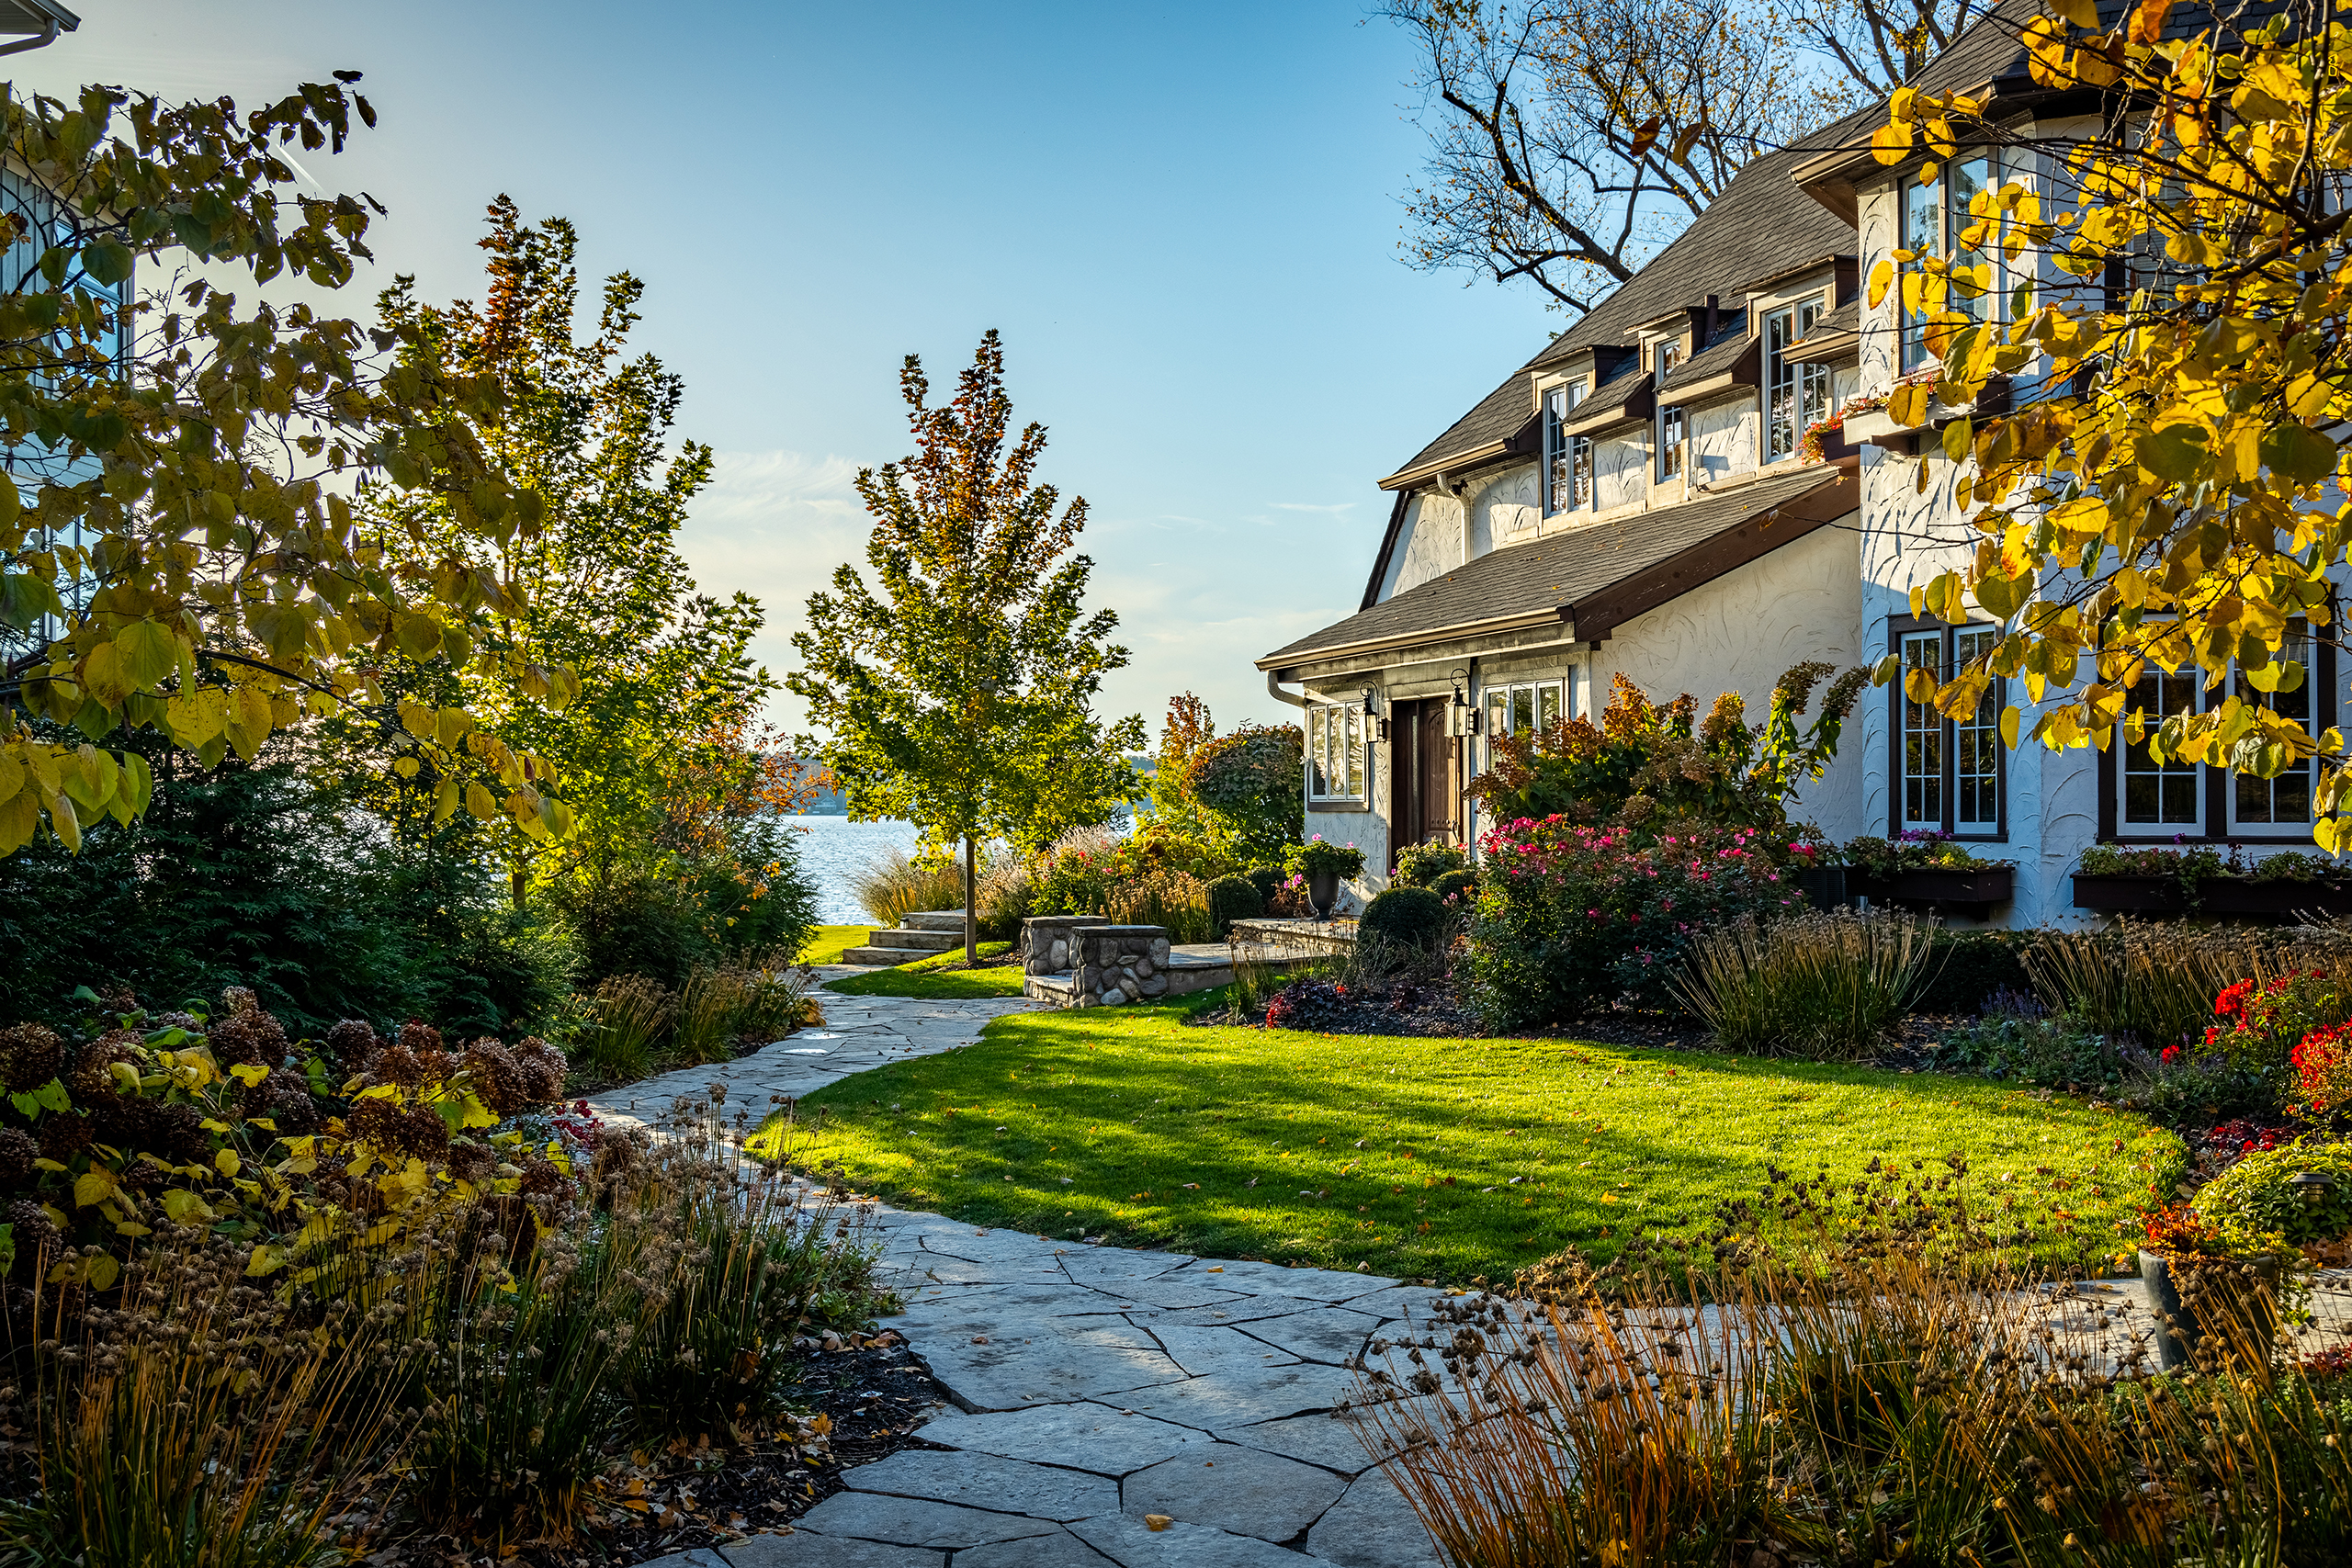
1595	575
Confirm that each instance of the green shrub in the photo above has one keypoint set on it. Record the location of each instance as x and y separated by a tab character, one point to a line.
632	919
1824	987
1266	879
1461	884
1247	784
1966	967
1420	865
1407	916
2254	1193
2048	1052
1233	898
2188	1088
1569	917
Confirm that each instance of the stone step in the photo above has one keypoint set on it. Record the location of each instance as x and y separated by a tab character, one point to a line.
891	956
935	920
928	941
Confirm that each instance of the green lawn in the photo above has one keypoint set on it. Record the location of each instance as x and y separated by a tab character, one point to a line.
940	976
1340	1149
825	943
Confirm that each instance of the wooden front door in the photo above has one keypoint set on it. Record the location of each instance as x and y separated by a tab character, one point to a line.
1421	788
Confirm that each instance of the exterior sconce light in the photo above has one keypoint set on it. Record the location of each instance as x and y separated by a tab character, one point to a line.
1462	714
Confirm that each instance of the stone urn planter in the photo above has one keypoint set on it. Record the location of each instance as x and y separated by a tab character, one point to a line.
2237	1298
1323	893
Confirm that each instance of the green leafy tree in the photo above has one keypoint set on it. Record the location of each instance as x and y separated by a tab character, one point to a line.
957	687
665	680
178	550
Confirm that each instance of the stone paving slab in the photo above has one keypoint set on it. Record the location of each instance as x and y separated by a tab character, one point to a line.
1092	1382
1244	1490
981	1481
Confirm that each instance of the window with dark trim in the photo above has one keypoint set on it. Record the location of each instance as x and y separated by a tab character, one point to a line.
1671	448
2141	798
1950	774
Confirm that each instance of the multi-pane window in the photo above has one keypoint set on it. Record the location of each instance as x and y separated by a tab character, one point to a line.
1936	222
1526	706
2161	797
1951	767
2287	799
2169	799
1780	430
1567	460
1669	440
1335	753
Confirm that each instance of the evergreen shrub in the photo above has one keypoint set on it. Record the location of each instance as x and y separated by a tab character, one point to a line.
1233	898
1409	917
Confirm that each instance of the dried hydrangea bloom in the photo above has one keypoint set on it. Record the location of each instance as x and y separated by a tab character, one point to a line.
350	1043
496	1077
240	999
93	1076
420	1038
63	1136
250	1038
33	1228
543	1067
30	1054
17	1152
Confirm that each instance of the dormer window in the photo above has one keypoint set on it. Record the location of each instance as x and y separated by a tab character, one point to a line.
1567	460
1797	397
1667	355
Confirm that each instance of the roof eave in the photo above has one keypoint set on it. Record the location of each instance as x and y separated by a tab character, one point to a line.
1286	656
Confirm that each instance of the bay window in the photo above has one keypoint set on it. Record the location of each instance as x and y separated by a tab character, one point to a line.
1952	775
1337	766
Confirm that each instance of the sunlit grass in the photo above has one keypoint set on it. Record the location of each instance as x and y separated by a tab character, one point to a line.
940	976
826	943
1451	1158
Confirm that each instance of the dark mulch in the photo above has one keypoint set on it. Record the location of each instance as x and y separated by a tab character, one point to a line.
872	1398
1353	1007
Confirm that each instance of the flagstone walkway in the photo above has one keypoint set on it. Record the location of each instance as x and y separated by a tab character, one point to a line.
1094	1385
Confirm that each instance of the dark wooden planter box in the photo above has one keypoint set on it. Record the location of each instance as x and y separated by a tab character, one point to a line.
1974	891
2129	895
2233	897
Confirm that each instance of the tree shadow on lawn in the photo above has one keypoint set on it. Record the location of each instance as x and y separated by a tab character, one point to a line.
1439	1158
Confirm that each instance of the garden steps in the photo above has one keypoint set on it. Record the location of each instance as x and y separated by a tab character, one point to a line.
923	935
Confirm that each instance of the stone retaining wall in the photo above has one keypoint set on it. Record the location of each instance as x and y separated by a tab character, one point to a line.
1112	964
1046	946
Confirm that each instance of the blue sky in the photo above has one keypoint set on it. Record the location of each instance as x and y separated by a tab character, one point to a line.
1183	218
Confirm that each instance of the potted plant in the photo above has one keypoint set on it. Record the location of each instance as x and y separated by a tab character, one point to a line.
1923	868
2210	1277
2198	881
1325	866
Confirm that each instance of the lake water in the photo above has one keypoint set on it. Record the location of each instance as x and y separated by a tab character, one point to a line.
835	850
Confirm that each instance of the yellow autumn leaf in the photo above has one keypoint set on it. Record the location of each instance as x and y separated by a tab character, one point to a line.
93	1185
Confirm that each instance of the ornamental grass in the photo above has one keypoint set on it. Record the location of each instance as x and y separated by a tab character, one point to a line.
1821	1380
1826	987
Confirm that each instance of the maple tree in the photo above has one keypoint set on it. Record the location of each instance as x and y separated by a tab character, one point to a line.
179	548
2164	486
958	686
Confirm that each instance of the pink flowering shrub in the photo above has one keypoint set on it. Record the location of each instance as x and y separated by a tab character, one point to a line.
1570	917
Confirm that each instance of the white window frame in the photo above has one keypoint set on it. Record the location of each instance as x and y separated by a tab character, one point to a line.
1946	213
1567	460
1505	703
1673	430
1797	397
1338	751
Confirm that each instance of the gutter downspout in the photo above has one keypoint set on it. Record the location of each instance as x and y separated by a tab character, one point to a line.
25	45
1274	690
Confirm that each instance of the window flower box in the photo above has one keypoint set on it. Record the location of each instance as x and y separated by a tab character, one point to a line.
2234	898
1973	888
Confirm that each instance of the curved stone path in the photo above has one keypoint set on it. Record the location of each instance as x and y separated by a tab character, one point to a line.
1095	1385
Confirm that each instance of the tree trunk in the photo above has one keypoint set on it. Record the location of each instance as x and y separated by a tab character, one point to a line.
971	916
518	884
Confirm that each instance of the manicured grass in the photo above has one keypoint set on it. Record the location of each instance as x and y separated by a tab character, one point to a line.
826	942
934	977
1334	1150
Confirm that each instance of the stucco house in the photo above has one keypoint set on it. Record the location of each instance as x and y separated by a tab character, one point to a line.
1639	499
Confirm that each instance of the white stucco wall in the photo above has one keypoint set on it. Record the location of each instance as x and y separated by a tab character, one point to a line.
1429	545
1722	438
1621	468
1740	632
1506	509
